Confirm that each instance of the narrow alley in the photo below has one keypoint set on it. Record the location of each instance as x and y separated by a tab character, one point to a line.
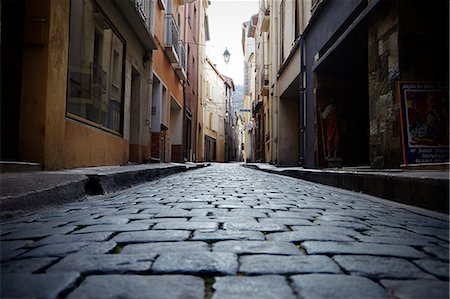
227	231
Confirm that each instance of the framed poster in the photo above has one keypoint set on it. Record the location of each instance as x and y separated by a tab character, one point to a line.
424	120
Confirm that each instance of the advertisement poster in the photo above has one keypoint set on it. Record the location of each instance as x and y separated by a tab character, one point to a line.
424	119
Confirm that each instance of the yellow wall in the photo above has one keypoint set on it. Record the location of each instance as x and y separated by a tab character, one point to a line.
88	146
43	91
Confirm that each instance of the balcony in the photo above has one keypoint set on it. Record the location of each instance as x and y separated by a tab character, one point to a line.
173	47
179	66
136	13
141	7
171	38
265	21
265	80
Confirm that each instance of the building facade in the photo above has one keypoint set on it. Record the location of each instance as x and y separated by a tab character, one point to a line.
214	114
248	48
202	67
353	84
79	92
191	91
169	72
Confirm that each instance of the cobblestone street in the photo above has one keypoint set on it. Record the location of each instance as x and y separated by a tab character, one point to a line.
226	231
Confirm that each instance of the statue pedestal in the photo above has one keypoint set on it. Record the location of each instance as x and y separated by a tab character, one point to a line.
334	162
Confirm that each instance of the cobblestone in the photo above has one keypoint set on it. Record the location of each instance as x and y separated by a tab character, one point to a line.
134	286
104	263
270	264
404	289
226	231
379	267
220	263
336	287
260	287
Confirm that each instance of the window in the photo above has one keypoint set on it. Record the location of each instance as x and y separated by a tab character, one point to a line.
96	59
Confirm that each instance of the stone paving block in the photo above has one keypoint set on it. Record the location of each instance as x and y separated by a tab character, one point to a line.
36	285
273	207
152	236
73	247
408	289
238	213
285	221
163	247
316	247
257	247
442	233
192	205
37	233
187	225
152	221
211	263
8	246
256	287
104	263
180	213
380	267
101	220
351	225
277	264
8	255
26	266
400	240
136	286
234	206
434	267
255	226
223	219
336	286
222	235
88	237
306	235
113	228
440	252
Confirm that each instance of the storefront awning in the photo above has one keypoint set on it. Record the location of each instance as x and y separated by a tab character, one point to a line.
346	33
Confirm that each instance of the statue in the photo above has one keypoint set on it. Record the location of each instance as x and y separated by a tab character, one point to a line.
332	136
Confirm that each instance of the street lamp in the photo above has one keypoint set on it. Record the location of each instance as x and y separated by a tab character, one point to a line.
226	56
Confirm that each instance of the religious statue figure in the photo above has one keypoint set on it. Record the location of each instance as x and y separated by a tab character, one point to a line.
329	115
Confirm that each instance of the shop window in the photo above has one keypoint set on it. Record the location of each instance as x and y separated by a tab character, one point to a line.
96	60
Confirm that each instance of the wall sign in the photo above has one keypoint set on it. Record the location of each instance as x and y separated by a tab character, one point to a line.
424	119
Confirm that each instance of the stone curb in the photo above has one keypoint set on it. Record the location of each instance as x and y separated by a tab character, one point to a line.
80	186
428	193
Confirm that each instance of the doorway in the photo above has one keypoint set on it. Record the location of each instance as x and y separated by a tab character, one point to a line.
12	36
135	148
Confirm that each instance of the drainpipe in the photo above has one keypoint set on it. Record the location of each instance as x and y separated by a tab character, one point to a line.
302	105
186	58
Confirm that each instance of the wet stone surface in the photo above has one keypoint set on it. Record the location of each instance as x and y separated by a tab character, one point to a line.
226	231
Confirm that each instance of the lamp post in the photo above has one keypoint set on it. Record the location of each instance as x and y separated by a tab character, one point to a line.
226	56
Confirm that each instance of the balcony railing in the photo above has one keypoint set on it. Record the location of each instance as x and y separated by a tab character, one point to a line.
265	80
180	66
174	48
142	8
171	38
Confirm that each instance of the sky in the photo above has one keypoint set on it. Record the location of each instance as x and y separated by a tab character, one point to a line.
225	30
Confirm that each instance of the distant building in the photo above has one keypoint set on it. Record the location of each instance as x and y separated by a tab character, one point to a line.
248	47
214	114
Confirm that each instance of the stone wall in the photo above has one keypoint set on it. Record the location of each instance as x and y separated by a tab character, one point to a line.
384	115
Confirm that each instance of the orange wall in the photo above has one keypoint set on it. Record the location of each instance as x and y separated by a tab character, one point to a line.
161	64
88	146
